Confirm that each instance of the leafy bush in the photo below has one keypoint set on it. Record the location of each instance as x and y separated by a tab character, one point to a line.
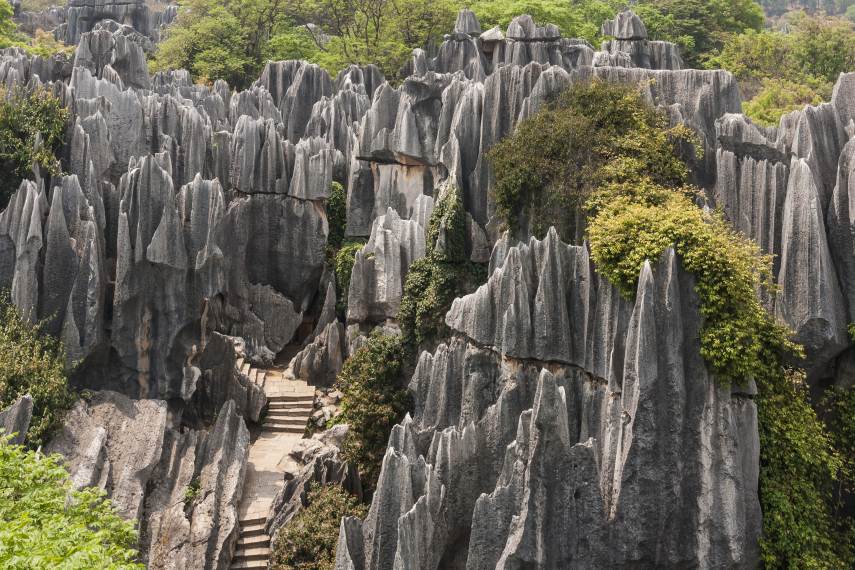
434	281
336	217
46	524
309	541
780	96
344	260
597	133
33	362
373	400
21	117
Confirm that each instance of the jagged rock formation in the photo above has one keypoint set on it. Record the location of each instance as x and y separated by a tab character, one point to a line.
788	189
538	434
202	536
15	420
125	447
189	214
322	463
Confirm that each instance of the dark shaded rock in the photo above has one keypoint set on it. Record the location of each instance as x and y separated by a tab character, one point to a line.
15	419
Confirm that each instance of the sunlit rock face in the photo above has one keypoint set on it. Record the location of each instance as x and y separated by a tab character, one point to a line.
187	216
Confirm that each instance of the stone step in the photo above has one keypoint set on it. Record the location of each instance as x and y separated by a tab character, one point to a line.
257	541
240	362
259	377
285	428
245	369
251	554
249	565
285	421
252	528
310	398
288	415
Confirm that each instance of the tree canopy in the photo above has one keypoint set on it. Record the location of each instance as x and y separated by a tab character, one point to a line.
47	524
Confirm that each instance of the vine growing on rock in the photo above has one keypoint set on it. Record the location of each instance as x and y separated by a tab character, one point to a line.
309	541
637	203
434	281
373	401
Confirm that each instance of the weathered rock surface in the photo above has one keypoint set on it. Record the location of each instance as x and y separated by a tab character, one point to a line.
113	443
203	534
325	467
15	420
514	440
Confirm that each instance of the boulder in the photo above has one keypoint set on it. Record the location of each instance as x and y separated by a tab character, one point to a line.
15	419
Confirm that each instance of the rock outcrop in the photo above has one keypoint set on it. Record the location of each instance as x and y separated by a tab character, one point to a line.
547	411
15	420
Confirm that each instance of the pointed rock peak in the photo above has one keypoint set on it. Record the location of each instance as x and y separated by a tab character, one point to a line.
167	243
626	26
524	28
467	23
645	280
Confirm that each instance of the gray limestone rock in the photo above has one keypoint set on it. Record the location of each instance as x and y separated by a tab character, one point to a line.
15	420
327	468
467	23
568	448
626	26
221	381
810	301
320	362
380	268
113	443
524	28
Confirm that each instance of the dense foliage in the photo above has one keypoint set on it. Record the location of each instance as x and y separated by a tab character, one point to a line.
33	362
336	219
434	281
596	135
373	400
780	73
42	43
22	116
45	523
343	267
635	213
309	541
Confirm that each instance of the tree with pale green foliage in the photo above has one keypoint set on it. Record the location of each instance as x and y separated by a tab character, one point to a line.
45	523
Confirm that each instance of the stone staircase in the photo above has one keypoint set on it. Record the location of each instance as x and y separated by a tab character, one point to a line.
289	407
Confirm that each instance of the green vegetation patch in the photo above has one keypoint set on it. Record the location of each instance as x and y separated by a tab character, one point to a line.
373	401
46	524
33	362
21	117
310	540
434	281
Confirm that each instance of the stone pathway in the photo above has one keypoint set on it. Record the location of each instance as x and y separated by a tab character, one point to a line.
290	404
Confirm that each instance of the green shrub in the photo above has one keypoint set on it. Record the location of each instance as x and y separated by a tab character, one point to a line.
344	260
373	401
310	540
33	362
781	96
46	524
434	281
597	133
336	217
21	117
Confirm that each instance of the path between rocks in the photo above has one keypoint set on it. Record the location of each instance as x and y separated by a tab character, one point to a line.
290	405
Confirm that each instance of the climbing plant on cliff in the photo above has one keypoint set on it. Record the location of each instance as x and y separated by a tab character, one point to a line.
374	400
45	523
636	203
22	117
309	541
434	281
33	362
